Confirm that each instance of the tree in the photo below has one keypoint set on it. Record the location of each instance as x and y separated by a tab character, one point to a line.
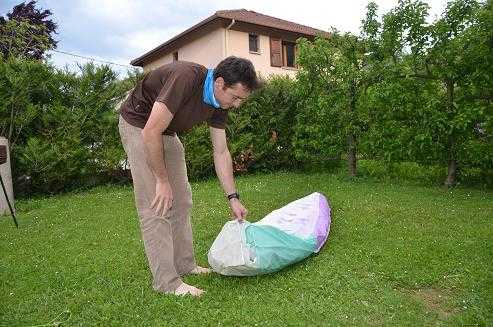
25	91
27	32
402	107
436	97
333	79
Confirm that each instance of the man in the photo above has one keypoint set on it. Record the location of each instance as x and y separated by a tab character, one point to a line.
172	99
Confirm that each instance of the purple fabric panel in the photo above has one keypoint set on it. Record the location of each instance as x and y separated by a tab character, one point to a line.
322	227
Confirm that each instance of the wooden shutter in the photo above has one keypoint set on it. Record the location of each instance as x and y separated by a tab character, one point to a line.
275	52
296	56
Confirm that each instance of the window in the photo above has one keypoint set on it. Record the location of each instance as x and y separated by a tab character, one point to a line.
253	43
282	53
175	56
288	54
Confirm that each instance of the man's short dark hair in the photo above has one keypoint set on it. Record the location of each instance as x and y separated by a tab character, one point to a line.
237	70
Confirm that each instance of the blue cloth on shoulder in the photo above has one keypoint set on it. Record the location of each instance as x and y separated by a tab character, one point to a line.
208	94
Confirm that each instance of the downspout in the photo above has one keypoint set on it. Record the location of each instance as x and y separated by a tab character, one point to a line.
226	37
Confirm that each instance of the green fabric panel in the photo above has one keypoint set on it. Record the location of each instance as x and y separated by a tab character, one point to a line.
276	249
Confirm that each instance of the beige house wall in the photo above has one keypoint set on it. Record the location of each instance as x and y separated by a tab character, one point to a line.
207	50
159	62
211	48
238	45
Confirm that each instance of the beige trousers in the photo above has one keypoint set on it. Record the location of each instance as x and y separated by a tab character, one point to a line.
168	240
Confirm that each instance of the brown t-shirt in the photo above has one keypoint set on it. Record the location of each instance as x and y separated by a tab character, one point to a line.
179	86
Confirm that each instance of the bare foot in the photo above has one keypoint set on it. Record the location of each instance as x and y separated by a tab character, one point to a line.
199	270
185	289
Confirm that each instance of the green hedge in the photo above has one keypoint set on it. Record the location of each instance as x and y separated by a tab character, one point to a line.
64	131
62	126
64	135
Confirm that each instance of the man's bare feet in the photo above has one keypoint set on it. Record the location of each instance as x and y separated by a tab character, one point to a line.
199	271
185	289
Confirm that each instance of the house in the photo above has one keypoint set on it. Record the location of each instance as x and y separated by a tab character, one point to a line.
269	42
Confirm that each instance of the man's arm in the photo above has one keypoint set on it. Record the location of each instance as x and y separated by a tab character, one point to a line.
224	169
153	140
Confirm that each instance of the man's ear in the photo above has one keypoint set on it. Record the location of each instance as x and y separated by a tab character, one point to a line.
219	83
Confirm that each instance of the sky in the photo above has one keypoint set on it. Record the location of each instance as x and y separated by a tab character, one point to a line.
119	31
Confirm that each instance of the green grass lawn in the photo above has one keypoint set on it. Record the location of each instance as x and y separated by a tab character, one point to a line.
397	255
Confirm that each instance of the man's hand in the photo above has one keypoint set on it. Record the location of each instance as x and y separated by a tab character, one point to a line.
239	211
164	198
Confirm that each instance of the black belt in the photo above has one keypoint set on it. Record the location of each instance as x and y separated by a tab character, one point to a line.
169	133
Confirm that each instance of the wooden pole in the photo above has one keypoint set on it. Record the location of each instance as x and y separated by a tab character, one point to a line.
6	204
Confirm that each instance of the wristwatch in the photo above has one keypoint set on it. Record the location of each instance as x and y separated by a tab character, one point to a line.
234	195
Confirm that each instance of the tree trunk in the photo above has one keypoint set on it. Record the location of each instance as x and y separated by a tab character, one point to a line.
351	139
11	125
351	155
451	173
452	162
